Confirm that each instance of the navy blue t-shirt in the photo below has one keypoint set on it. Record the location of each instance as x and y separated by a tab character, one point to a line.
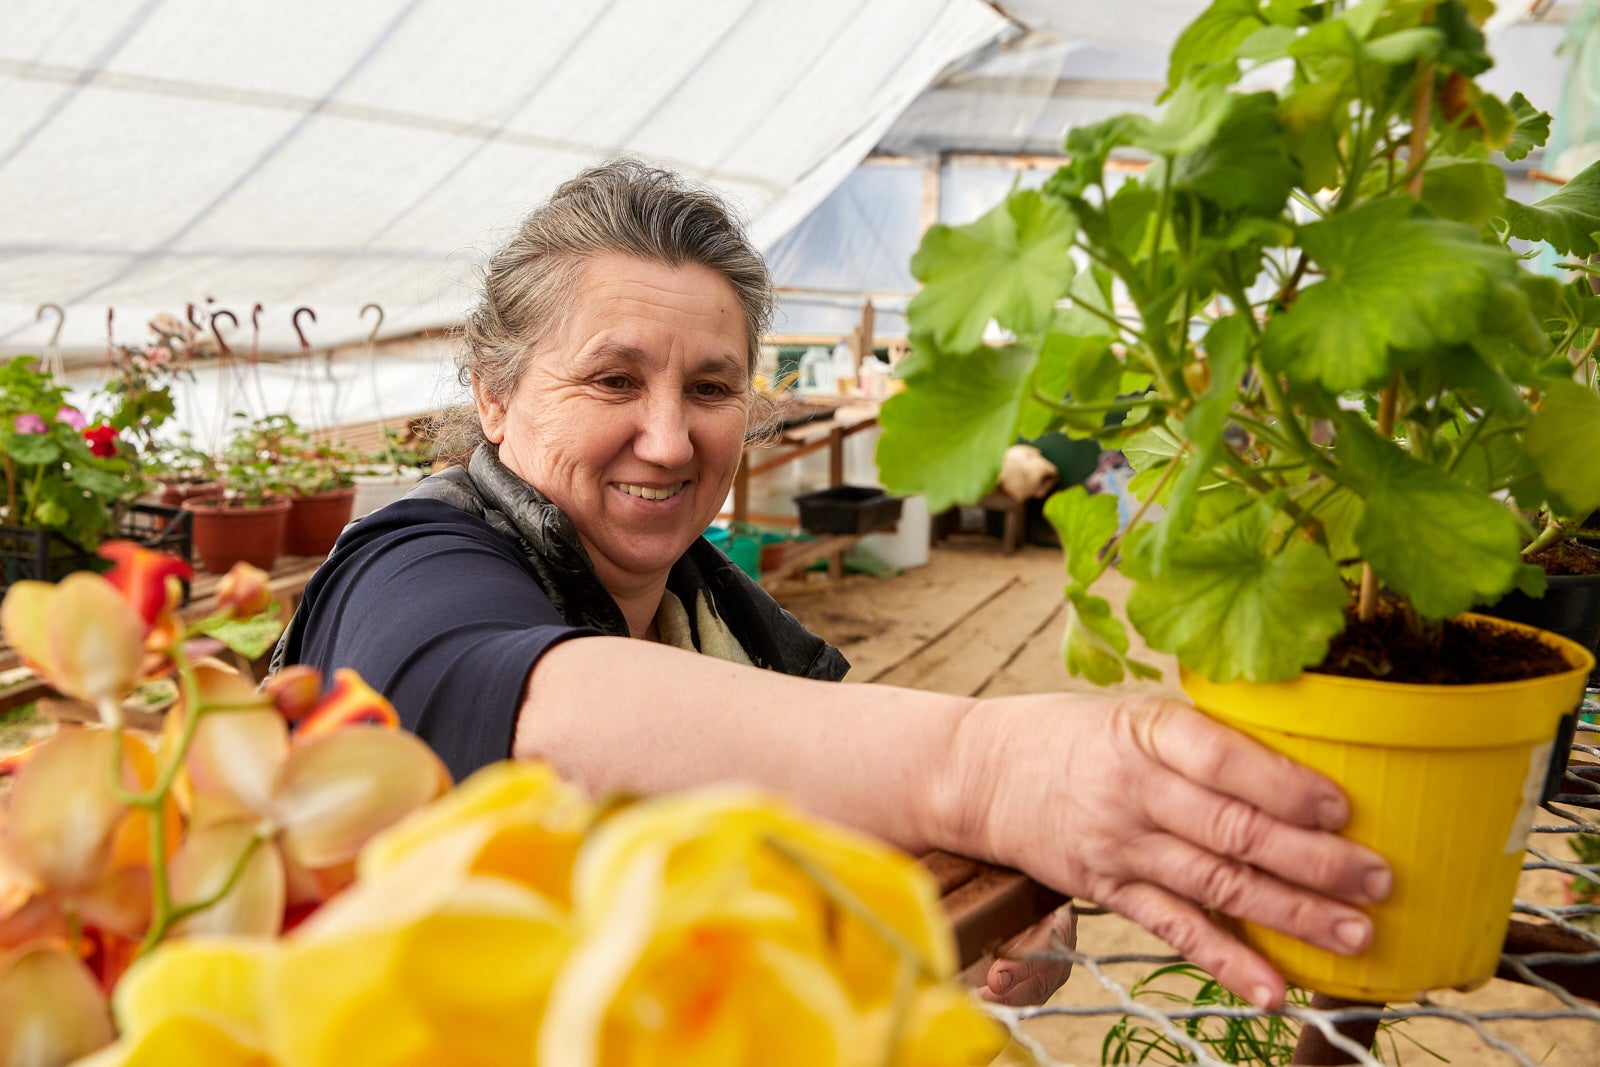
439	613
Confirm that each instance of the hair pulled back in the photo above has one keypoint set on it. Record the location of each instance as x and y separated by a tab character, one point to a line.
528	286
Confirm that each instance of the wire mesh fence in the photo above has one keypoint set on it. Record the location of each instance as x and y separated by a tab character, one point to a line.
1553	950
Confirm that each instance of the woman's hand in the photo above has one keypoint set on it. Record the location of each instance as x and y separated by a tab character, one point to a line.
1145	806
1015	979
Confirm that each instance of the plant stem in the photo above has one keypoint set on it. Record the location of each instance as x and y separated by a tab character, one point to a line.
1368	604
1125	404
183	911
1109	550
1554	530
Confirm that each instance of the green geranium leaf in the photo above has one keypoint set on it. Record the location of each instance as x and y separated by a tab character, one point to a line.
1088	148
1212	38
1246	164
1392	280
1567	219
1229	607
109	484
1563	440
1404	46
1189	122
251	638
1096	643
1084	523
1011	266
1148	449
946	433
1466	49
1531	581
1464	190
1432	539
32	448
1532	129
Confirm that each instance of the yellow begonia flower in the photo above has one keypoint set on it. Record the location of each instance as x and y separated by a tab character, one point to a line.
515	820
701	913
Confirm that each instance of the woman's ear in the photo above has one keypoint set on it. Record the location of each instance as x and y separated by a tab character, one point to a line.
491	412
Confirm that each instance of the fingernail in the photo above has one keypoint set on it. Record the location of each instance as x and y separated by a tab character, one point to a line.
1352	933
1261	997
1332	813
1377	883
1003	982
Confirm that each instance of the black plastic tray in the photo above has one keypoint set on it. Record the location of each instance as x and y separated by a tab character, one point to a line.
848	509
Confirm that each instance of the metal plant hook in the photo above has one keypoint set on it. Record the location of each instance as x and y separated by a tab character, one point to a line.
373	336
61	319
305	345
233	321
188	313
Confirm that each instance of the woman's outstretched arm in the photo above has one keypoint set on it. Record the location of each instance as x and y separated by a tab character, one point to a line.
1140	804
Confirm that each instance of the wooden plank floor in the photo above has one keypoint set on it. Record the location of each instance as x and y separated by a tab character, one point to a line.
978	623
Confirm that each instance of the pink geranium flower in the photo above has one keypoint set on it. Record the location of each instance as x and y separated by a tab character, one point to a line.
28	422
72	417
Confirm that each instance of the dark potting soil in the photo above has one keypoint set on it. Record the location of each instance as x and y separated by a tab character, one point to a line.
1450	653
1567	557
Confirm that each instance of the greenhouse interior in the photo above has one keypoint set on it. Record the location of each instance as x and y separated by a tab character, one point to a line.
558	534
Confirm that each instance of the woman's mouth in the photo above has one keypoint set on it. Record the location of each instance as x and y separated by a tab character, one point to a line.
650	492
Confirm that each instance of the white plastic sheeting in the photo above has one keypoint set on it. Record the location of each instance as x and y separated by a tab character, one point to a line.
156	152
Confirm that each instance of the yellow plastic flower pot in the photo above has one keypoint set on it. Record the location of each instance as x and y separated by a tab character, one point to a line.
1443	782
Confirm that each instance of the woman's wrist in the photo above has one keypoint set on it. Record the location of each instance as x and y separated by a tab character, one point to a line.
964	781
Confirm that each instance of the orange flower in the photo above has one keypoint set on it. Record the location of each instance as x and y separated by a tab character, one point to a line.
146	579
348	702
243	591
295	690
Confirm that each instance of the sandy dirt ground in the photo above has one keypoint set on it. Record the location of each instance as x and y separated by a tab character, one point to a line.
977	622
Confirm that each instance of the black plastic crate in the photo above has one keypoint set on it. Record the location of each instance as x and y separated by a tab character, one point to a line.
848	509
46	555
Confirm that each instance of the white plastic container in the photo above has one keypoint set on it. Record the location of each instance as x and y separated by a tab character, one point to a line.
907	546
373	491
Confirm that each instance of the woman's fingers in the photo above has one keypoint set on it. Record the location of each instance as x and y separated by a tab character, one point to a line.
1227	761
1187	929
1018	981
1226	826
1238	889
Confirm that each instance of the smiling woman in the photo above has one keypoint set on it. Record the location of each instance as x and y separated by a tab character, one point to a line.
551	596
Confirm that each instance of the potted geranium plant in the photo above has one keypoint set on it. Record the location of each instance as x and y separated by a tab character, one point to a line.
247	517
71	480
388	473
1331	369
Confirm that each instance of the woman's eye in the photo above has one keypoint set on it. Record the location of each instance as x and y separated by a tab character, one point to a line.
711	389
614	381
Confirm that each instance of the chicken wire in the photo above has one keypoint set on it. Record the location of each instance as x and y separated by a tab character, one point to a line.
1571	812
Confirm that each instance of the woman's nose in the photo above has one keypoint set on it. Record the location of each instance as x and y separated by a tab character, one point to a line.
663	437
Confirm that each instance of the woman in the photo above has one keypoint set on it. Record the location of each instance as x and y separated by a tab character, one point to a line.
548	600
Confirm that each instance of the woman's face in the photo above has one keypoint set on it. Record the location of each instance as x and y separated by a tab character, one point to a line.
631	419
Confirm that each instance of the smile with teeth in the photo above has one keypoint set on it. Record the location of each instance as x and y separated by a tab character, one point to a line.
648	493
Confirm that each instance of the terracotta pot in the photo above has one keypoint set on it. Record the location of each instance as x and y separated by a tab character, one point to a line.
316	521
173	494
225	533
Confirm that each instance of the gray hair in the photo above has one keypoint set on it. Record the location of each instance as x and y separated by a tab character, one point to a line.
622	206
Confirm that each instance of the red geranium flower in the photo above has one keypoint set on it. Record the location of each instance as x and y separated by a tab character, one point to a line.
102	440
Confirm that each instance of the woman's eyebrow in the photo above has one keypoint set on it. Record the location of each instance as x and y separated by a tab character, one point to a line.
620	352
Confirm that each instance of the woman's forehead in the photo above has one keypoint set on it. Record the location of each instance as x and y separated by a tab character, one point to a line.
629	308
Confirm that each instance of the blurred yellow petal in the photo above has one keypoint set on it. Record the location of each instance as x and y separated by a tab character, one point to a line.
235	758
96	640
202	867
638	992
337	790
527	825
51	1011
944	1027
220	978
463	986
62	813
731	851
24	618
183	1041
